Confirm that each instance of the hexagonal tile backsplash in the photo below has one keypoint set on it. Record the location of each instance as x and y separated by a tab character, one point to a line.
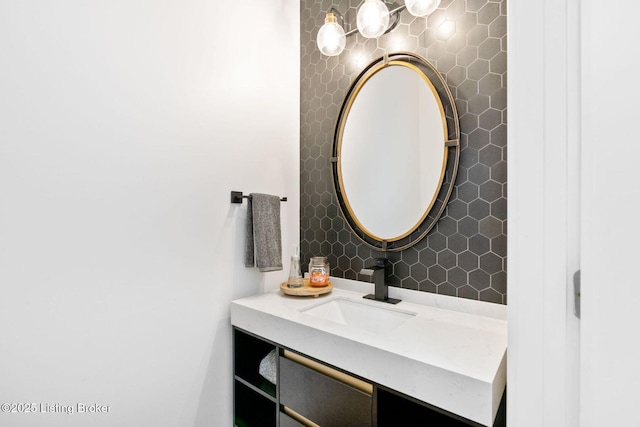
465	254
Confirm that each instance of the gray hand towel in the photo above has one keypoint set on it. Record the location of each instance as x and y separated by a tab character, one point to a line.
264	240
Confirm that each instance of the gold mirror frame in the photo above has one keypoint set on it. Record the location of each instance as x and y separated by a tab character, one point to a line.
451	147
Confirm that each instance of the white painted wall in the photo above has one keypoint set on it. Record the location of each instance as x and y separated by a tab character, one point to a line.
123	127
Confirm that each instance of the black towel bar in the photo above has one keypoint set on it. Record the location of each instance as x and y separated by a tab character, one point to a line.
237	196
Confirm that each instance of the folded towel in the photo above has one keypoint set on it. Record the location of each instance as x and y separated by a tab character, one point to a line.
268	368
264	240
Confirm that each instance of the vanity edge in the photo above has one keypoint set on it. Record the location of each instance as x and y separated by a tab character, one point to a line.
475	397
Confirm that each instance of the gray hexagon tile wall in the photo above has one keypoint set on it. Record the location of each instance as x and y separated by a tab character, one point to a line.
465	254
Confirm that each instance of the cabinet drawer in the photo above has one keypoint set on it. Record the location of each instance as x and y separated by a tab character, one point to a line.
287	421
322	398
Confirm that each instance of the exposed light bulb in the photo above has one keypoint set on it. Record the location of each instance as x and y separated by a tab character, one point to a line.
421	7
373	18
331	38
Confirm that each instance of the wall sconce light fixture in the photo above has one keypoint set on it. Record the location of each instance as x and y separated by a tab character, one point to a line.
331	37
421	7
373	20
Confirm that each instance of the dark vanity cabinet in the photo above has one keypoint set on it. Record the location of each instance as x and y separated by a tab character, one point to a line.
307	393
255	400
310	393
323	395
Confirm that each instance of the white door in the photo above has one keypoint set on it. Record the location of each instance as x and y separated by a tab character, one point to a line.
610	236
574	203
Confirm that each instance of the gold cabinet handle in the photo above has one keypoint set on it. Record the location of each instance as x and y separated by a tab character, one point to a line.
356	383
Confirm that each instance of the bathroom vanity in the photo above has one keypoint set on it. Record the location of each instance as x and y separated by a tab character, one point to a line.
342	360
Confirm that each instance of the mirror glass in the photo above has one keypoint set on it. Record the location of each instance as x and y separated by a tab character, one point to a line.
391	151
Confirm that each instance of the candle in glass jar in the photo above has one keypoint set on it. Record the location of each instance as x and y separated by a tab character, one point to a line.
319	271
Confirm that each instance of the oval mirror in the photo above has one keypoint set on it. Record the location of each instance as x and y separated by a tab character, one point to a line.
396	151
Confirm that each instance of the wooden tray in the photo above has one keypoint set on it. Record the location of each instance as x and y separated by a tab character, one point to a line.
306	290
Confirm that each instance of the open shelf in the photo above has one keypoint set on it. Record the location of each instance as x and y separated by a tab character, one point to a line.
253	409
249	351
395	410
266	389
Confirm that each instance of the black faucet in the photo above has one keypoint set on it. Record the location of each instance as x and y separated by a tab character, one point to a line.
380	272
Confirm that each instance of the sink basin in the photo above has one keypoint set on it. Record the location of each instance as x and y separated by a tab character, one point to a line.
363	315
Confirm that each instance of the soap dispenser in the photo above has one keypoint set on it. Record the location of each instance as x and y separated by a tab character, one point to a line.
295	274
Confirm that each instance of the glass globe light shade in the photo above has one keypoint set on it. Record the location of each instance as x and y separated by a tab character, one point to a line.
421	7
373	18
331	38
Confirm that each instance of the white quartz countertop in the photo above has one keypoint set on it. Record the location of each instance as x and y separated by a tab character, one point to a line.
451	354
